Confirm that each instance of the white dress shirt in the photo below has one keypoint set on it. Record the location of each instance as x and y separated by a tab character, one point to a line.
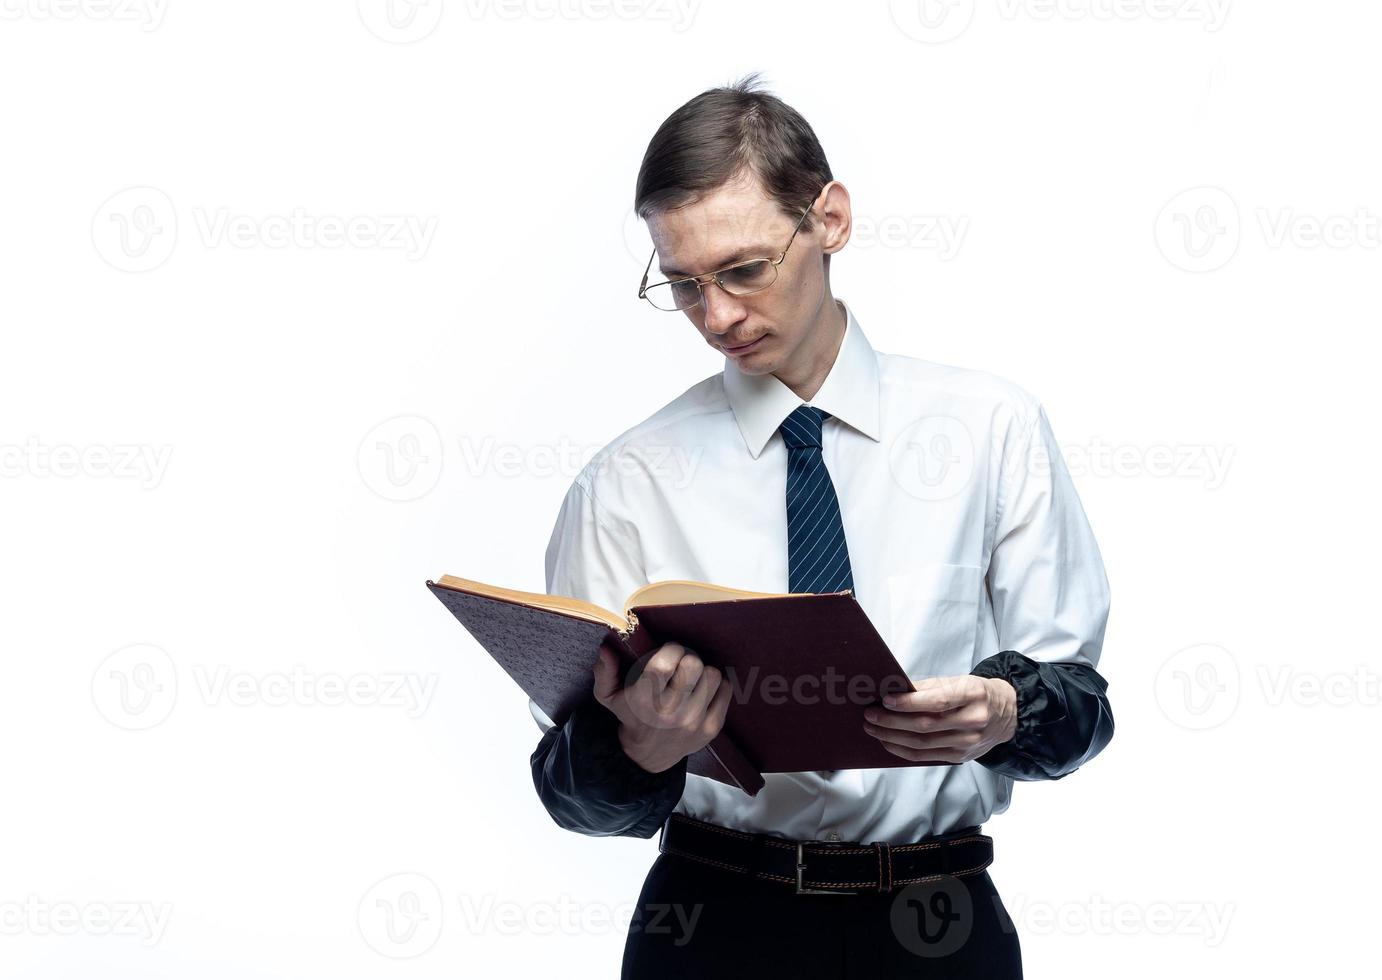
965	536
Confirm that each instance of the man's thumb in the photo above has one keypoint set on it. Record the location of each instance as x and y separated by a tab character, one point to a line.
606	676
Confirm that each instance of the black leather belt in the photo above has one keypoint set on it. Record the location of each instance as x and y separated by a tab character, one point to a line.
826	867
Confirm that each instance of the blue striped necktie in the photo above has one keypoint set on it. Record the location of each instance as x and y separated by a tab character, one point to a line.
817	559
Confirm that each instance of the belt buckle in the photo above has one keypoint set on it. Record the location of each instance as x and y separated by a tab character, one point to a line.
801	869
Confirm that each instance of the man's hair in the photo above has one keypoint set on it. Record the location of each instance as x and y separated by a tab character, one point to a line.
721	132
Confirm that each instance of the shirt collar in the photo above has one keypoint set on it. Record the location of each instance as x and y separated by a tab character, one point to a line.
850	392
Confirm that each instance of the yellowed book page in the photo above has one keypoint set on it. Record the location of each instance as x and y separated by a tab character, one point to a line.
558	603
678	591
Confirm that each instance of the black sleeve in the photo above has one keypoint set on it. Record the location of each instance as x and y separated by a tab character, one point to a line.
590	786
1063	716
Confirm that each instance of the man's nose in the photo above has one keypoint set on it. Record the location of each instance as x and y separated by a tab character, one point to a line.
722	310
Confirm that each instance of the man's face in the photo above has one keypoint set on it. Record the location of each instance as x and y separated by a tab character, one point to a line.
734	223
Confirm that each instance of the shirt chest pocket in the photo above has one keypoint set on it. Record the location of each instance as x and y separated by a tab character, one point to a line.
933	615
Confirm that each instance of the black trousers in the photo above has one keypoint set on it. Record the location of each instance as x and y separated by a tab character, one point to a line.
696	920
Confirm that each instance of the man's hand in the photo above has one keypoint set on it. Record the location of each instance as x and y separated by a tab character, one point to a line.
674	707
947	719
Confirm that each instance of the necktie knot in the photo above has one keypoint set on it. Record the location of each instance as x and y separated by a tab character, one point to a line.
803	427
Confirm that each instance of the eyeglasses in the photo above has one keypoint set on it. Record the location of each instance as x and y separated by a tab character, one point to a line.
675	295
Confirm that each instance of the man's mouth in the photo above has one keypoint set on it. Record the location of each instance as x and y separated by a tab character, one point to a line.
742	348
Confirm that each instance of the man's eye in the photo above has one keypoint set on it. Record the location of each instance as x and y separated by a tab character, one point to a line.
748	274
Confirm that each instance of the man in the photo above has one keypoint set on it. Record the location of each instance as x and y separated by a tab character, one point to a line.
813	463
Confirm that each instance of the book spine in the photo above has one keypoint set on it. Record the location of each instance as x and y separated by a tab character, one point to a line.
742	773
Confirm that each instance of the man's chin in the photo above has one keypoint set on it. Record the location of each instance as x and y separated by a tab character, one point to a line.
755	366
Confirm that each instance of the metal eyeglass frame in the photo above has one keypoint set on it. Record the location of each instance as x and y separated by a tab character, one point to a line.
703	280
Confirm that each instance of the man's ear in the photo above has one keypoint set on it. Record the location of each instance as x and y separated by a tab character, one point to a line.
836	217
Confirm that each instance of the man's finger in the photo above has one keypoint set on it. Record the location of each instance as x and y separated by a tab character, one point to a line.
606	675
948	757
936	694
942	741
957	719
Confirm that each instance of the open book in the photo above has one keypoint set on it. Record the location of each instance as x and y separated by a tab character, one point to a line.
803	666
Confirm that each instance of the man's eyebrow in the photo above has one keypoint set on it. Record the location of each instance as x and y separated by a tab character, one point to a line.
748	252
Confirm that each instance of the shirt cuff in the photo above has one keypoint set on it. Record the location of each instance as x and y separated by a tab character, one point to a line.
602	760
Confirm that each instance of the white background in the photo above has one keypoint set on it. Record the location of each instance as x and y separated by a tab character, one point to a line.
232	456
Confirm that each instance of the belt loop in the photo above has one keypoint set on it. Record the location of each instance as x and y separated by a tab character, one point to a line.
754	859
661	833
885	866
